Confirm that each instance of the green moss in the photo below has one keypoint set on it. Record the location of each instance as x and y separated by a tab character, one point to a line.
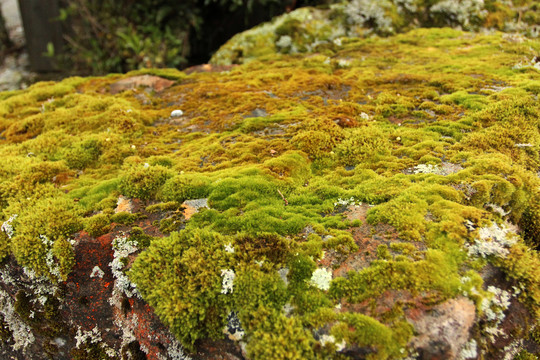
281	338
83	154
97	225
41	221
184	187
302	159
124	218
192	265
414	276
139	236
364	331
143	182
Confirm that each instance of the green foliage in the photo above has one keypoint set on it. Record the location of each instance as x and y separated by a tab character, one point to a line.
118	36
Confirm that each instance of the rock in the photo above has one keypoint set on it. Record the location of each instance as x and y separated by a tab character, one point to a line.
192	207
309	29
444	330
124	204
155	83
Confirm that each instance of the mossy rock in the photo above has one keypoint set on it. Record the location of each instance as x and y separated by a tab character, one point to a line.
323	29
335	197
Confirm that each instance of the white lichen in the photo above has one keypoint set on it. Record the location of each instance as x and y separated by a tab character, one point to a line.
54	268
493	240
347	202
229	248
177	113
469	351
233	329
174	351
123	247
21	333
460	12
227	285
428	169
284	42
283	272
364	12
97	272
93	336
497	209
364	116
327	339
7	226
321	279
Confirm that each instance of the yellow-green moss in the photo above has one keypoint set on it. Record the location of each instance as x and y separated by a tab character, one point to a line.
429	135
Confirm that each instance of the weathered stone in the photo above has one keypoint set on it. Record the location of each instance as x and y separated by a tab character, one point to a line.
146	81
444	330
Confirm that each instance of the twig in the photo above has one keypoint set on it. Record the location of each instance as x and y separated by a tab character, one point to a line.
283	197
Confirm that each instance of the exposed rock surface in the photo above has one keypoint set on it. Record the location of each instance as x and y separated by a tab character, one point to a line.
378	200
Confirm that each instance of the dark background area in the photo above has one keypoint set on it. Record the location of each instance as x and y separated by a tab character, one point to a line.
88	37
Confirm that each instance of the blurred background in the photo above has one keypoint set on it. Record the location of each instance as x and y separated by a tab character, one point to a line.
52	39
56	38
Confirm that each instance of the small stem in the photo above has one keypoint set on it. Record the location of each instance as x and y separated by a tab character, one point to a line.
283	197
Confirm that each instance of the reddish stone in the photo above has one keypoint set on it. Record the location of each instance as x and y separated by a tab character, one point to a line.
148	81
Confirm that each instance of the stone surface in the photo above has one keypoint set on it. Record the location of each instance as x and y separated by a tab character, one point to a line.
444	330
155	83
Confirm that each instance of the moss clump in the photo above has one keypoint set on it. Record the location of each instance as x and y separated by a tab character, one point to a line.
144	181
366	332
41	230
362	144
139	236
193	306
184	187
124	218
281	338
83	154
97	225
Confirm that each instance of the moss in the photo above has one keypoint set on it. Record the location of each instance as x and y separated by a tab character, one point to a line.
97	225
365	332
41	221
196	309
296	155
161	207
124	218
184	187
414	276
281	338
137	234
83	154
143	182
